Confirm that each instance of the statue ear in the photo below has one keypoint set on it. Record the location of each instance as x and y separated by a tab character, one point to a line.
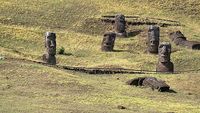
170	48
45	43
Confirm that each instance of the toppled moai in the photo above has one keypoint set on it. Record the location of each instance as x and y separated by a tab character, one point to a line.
151	82
50	45
164	61
120	25
108	41
179	39
153	39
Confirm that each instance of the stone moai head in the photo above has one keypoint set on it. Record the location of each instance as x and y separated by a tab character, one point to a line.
153	39
120	24
177	34
50	43
108	41
178	38
164	52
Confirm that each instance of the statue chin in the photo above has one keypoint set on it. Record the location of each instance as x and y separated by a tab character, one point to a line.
51	52
164	60
154	47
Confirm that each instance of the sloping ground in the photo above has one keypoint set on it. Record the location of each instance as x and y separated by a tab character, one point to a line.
28	87
23	25
34	88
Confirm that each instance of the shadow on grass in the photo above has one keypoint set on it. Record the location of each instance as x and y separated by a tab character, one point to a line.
169	91
66	54
120	51
133	33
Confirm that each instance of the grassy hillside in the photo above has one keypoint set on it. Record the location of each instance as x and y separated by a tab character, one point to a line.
33	88
29	87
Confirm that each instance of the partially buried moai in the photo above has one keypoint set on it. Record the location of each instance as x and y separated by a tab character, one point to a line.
152	82
164	62
153	39
179	39
120	25
50	45
108	41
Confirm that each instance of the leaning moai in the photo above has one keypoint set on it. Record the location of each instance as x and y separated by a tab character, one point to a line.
153	39
50	45
120	25
164	63
179	39
108	41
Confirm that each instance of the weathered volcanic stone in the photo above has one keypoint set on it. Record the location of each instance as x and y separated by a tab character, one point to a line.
164	63
108	41
167	67
120	25
50	44
136	81
156	84
153	39
179	39
151	82
50	59
192	45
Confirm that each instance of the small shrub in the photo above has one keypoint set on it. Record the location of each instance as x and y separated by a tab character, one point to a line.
61	51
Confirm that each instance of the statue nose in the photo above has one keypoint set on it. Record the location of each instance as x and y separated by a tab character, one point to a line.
52	44
152	42
164	51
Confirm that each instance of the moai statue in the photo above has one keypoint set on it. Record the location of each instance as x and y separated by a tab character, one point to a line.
179	39
164	63
120	25
151	82
153	39
50	45
108	41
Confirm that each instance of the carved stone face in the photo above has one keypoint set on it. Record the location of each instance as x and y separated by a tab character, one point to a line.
164	52
120	23
108	41
153	39
50	43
